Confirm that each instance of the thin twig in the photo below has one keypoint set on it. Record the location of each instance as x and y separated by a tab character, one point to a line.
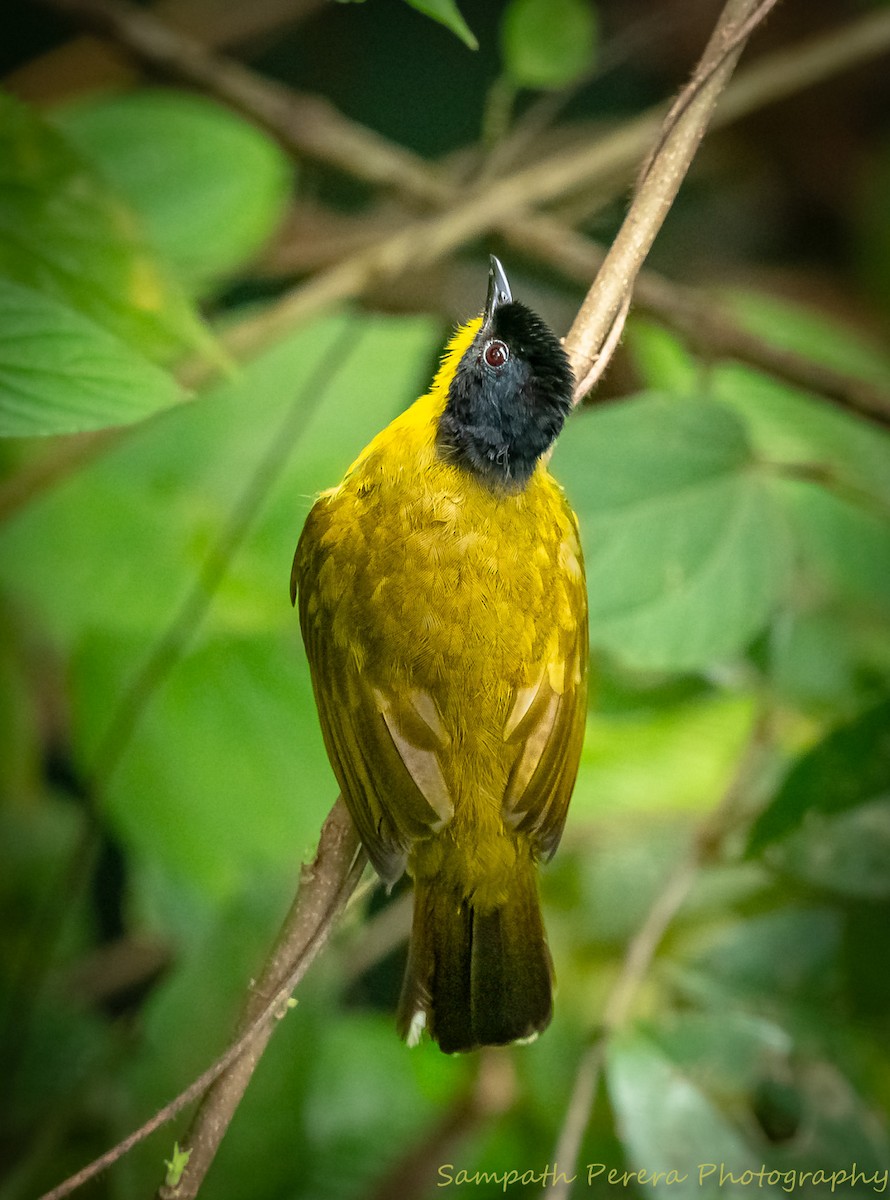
705	322
637	962
325	886
660	181
604	356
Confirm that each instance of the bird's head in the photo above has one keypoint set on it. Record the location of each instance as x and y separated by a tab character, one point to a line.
508	393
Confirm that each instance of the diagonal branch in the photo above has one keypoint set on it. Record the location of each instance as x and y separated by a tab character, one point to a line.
664	171
325	886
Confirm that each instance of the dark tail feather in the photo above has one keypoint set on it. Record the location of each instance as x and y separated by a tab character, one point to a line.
475	977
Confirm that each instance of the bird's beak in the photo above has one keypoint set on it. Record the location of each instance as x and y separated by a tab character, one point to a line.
498	289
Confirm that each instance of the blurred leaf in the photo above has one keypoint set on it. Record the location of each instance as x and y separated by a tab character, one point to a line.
61	373
210	187
448	14
548	43
871	233
850	767
677	759
725	1051
620	882
839	1130
844	544
738	1060
848	853
812	334
226	777
20	749
667	1122
787	426
811	659
661	359
63	233
782	959
684	543
142	519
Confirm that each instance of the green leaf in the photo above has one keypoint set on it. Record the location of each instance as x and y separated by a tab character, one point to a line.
209	186
811	334
674	759
848	854
775	958
748	1069
169	487
61	373
227	777
63	233
684	542
849	768
811	659
176	1165
844	545
787	426
661	359
448	14
668	1123
548	43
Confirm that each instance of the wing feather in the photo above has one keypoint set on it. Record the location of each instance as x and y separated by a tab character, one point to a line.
383	750
551	730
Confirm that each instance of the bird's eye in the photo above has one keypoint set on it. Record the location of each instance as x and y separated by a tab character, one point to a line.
496	353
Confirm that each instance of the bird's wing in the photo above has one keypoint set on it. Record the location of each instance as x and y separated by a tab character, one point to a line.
546	725
384	749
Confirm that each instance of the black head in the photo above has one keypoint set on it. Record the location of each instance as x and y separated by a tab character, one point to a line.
510	394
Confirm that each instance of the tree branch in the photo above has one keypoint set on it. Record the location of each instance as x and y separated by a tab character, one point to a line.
664	171
325	886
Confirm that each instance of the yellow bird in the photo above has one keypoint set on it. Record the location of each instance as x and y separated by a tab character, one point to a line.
444	611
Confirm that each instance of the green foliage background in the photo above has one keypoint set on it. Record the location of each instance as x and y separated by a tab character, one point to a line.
737	537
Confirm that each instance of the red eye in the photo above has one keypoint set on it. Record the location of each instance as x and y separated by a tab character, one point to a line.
496	353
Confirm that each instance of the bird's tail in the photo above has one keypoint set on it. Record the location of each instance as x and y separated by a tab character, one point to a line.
477	977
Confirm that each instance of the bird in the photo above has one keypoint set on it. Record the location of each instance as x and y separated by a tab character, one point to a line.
443	608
